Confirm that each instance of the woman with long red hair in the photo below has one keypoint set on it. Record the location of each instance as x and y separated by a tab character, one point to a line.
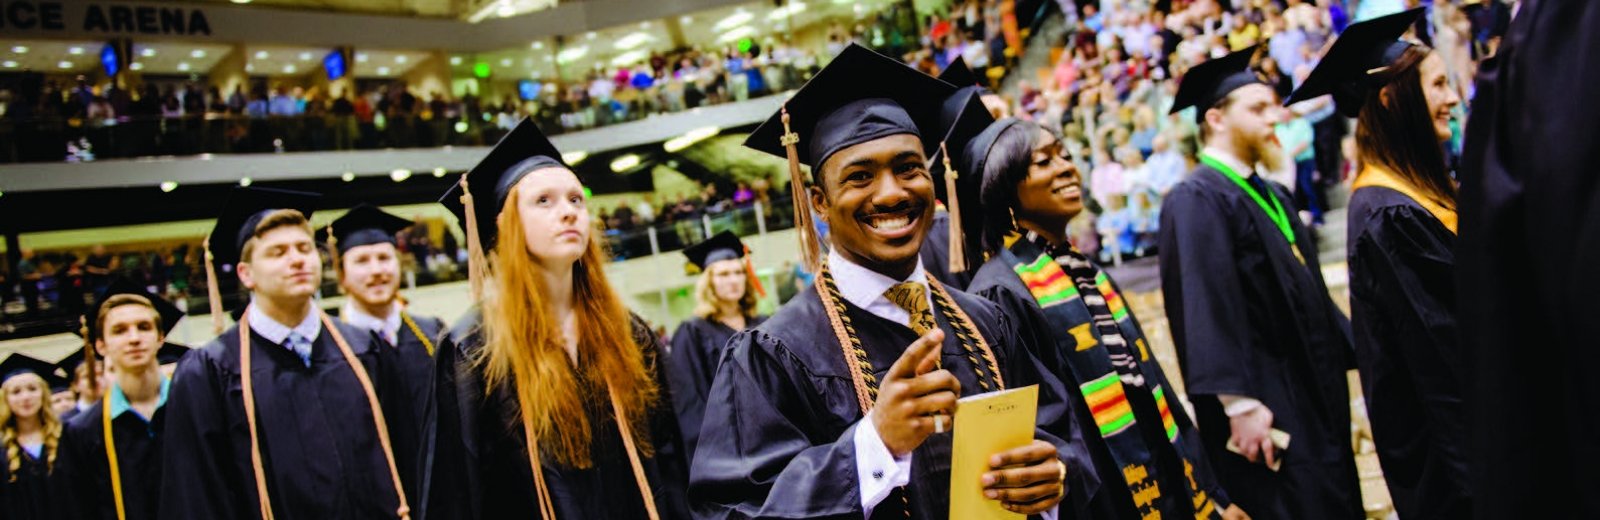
551	402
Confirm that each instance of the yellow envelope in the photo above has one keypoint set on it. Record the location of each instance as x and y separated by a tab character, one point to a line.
987	424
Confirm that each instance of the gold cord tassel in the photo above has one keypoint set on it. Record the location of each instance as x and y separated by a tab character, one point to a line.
333	256
213	292
88	344
475	257
958	247
810	245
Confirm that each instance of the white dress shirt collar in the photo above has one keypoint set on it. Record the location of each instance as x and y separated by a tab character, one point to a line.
277	333
864	287
388	326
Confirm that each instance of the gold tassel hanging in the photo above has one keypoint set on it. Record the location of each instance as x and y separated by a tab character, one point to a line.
213	292
958	246
475	257
810	245
333	256
88	344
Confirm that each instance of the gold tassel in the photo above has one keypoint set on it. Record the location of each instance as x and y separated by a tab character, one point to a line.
213	292
88	344
333	256
958	247
810	245
475	257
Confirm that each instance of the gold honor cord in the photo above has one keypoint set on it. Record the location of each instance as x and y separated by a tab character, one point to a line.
404	511
426	343
547	509
111	458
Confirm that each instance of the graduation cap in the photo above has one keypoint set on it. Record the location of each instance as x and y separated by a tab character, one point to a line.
477	199
723	246
963	116
1207	83
1354	65
171	353
958	74
363	225
859	97
236	225
170	314
18	364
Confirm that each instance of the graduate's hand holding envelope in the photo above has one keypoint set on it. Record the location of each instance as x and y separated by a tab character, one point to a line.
918	398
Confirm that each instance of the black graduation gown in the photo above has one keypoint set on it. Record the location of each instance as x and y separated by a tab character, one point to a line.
418	369
996	281
1403	311
319	449
31	496
1248	319
1527	283
481	469
82	476
778	436
691	365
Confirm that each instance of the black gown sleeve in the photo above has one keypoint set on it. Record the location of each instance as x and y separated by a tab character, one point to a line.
671	481
761	463
690	380
76	494
1204	294
196	484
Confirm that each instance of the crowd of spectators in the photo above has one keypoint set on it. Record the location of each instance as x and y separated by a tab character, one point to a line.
1111	86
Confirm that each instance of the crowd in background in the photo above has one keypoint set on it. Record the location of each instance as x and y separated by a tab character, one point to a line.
1107	89
1110	88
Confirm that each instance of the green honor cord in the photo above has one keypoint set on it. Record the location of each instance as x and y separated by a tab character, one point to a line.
1274	212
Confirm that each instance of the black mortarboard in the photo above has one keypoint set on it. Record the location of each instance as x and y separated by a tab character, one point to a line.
958	74
170	314
244	210
523	150
17	364
859	97
1207	83
1350	69
722	246
964	117
363	225
171	353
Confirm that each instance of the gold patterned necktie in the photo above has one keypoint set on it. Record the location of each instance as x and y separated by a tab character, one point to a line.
913	297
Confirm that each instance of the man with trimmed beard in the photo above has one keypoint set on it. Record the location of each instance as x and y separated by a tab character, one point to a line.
839	406
1262	347
366	259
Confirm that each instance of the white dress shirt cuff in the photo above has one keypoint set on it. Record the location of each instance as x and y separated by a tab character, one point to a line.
878	471
1236	405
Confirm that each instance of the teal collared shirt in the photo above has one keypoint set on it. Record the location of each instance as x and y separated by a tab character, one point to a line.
120	404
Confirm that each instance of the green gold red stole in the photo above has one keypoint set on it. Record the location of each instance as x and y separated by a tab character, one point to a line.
1111	363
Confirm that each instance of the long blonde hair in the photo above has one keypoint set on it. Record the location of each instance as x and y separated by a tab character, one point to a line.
524	346
48	422
707	303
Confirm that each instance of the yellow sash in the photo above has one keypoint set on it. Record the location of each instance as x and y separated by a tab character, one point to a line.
1373	176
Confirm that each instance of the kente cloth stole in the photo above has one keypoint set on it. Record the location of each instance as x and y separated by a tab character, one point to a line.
1105	351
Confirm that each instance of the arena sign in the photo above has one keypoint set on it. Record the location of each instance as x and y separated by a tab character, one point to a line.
98	18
